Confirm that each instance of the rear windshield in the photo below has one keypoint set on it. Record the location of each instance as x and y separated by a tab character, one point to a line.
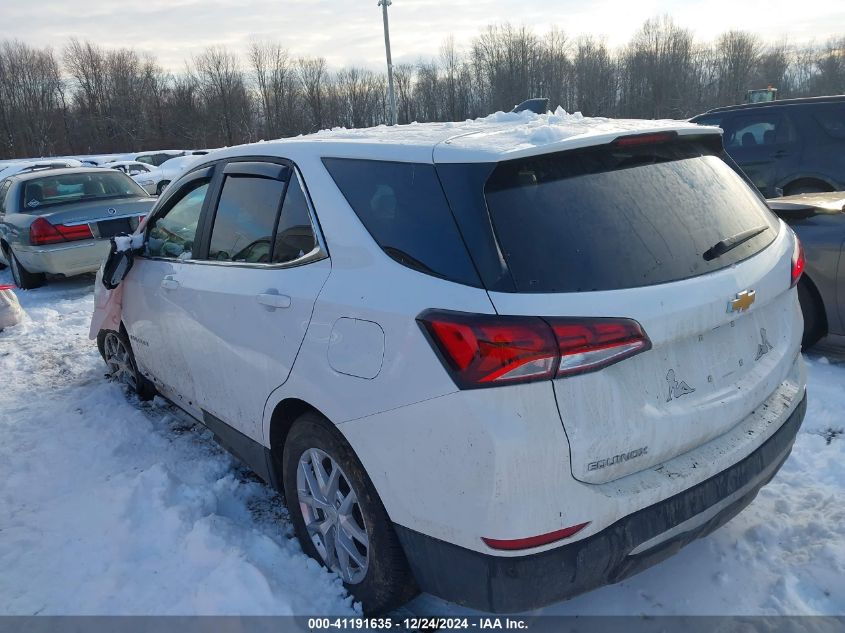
65	188
609	218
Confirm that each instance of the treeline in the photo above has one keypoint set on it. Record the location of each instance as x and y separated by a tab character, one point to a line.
87	99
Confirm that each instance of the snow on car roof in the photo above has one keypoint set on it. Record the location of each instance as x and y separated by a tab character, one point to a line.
499	136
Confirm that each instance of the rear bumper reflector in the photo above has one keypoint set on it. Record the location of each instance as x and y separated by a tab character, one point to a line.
534	541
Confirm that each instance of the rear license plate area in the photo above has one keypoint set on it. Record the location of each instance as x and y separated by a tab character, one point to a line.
110	228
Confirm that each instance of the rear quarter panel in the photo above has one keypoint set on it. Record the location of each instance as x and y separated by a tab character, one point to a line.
823	238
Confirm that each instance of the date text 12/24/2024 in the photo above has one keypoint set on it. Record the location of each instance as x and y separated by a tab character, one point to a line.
417	623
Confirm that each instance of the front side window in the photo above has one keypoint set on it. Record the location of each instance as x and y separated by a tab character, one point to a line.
245	219
172	235
69	188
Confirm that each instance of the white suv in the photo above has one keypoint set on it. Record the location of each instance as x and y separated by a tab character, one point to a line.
504	362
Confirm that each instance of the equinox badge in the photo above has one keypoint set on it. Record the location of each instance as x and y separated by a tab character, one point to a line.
742	301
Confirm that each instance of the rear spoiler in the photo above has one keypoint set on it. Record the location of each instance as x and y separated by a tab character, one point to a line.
799	210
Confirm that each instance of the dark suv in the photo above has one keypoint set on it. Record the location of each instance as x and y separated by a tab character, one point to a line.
786	147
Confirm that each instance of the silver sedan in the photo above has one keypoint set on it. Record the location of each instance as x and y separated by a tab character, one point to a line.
59	221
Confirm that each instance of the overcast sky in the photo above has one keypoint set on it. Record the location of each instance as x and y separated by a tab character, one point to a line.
350	31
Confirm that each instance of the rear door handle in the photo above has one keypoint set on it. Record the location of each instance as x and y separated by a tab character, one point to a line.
273	300
169	283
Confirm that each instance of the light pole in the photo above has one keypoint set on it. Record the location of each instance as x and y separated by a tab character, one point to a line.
384	4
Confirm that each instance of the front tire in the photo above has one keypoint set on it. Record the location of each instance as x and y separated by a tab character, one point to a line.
161	187
117	352
339	518
24	279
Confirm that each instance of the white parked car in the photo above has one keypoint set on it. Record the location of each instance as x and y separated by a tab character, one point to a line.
141	173
155	181
157	158
11	168
504	362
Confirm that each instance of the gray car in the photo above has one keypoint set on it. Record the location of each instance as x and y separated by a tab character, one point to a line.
819	221
59	221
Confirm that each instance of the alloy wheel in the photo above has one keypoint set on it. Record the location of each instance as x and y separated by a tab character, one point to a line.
119	361
332	515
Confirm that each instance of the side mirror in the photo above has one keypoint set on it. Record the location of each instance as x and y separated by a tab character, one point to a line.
117	266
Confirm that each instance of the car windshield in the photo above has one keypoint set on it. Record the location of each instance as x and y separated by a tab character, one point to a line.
613	217
66	188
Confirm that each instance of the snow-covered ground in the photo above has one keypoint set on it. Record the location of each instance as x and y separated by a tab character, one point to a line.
108	506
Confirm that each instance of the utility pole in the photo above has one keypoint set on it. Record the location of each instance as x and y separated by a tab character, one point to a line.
384	4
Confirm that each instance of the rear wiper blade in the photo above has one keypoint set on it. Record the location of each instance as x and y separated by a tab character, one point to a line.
729	243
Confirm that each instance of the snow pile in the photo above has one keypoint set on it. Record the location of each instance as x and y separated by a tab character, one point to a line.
125	243
11	312
108	506
503	132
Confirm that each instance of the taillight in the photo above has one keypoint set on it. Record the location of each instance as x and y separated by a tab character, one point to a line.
42	232
590	344
483	350
487	350
797	261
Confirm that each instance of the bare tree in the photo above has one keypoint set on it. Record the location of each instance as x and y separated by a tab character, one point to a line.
91	99
737	56
313	77
224	96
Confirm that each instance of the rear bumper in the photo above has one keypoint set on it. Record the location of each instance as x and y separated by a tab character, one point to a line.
632	544
67	259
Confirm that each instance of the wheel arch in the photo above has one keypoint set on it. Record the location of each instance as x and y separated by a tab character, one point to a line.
818	301
808	180
285	413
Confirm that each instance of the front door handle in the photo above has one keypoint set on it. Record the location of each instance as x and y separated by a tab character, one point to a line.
169	283
273	300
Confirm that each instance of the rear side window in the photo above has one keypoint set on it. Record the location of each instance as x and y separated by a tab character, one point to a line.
294	235
610	218
403	207
246	215
832	119
4	190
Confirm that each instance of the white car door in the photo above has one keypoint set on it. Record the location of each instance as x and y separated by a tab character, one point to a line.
155	316
252	299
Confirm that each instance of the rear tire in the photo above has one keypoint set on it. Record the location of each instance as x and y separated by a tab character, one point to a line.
378	576
117	352
813	311
161	187
24	279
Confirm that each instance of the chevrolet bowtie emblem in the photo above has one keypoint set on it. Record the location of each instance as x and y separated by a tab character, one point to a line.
742	302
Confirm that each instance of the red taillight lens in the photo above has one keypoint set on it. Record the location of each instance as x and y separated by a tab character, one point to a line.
482	350
797	261
489	350
645	139
590	344
42	232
